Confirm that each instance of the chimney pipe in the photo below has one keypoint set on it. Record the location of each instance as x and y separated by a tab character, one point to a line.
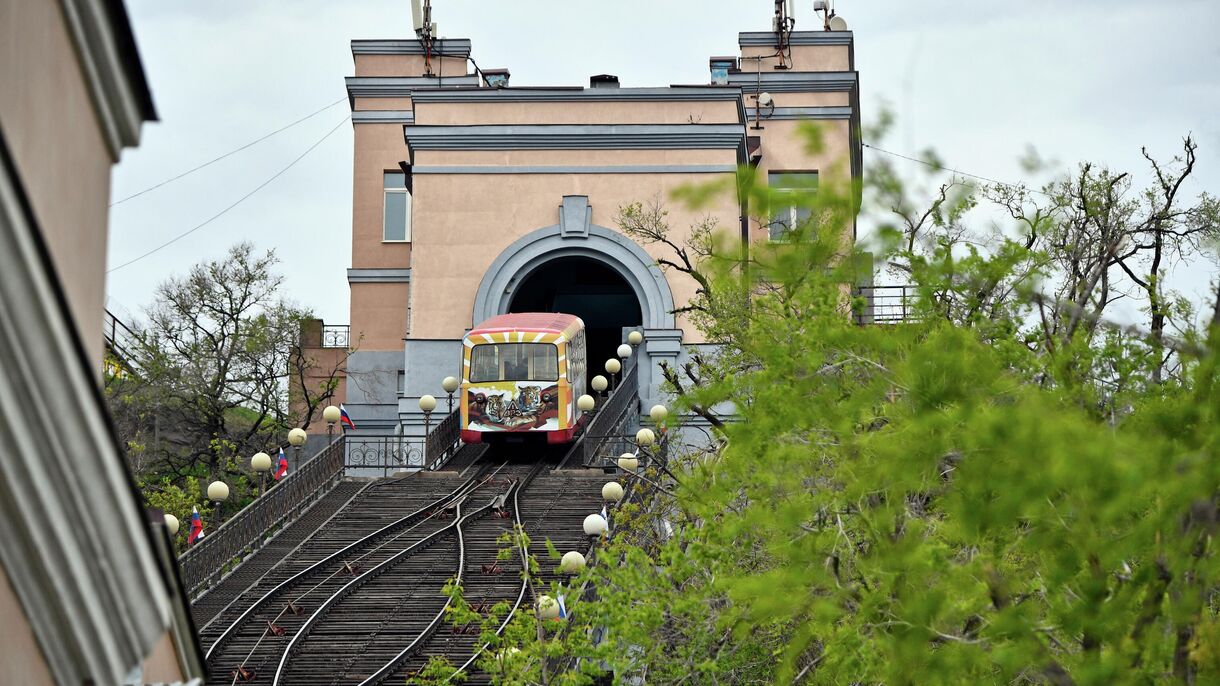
603	81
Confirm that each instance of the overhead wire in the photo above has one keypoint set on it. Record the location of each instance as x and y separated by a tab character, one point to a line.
228	154
237	202
941	167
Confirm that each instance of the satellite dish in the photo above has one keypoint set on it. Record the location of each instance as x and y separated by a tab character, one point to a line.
837	23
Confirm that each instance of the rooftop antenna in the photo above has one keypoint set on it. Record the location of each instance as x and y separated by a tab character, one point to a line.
782	24
830	20
425	29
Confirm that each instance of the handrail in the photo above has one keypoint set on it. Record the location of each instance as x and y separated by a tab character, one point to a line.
389	453
609	421
207	561
443	441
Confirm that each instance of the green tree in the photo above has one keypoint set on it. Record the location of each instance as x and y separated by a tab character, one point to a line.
935	502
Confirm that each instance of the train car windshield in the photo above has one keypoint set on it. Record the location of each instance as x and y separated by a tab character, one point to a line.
514	362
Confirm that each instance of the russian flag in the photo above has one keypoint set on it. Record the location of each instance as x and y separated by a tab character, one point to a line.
345	417
563	609
281	467
196	527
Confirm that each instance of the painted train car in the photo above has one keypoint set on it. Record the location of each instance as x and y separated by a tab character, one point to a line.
521	376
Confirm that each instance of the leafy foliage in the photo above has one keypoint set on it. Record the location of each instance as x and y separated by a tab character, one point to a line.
951	500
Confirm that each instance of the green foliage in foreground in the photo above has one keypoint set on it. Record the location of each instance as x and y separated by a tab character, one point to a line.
936	502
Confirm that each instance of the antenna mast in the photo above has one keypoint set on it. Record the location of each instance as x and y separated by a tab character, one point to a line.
782	24
425	29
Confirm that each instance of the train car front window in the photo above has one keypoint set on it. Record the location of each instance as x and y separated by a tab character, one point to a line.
514	362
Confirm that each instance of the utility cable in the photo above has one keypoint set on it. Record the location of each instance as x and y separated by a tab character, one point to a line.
940	167
239	201
227	154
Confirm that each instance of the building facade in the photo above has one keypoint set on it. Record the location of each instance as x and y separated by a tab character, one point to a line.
88	583
473	197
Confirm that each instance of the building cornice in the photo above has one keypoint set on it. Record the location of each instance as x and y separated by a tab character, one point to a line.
401	86
445	47
74	541
577	137
110	64
782	113
768	39
383	117
577	94
578	169
378	275
794	81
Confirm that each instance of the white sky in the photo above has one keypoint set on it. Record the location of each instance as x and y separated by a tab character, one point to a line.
978	81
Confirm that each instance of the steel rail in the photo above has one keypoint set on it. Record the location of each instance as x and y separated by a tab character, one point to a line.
355	583
525	586
333	516
394	663
422	514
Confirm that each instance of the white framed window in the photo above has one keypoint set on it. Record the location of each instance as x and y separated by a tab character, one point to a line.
785	217
396	208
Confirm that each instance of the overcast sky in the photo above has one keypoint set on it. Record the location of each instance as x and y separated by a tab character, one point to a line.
978	81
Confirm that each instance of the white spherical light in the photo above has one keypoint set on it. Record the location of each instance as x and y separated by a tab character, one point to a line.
572	562
599	383
658	413
635	338
450	384
261	462
427	403
547	607
171	523
507	654
297	437
331	414
612	491
628	462
218	490
645	437
624	351
585	403
613	366
595	525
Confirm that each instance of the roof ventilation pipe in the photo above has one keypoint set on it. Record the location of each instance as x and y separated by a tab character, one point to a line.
603	81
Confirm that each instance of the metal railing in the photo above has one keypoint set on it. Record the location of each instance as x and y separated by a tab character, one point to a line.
885	304
120	340
389	454
206	562
336	335
606	435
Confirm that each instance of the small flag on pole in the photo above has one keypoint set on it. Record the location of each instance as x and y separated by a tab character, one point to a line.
196	527
345	417
563	609
281	467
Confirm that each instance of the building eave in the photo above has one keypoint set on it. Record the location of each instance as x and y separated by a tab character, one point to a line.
112	70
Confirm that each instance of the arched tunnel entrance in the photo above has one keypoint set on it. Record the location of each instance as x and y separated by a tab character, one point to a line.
589	289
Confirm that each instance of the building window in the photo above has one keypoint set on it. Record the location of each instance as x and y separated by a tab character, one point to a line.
402	384
396	222
798	185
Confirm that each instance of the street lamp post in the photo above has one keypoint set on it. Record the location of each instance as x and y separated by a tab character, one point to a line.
218	492
297	438
261	463
599	384
613	366
427	403
331	415
450	384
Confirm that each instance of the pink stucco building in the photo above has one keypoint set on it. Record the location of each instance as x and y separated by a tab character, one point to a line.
473	198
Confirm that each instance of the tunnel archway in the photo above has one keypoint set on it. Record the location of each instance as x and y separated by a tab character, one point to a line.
589	289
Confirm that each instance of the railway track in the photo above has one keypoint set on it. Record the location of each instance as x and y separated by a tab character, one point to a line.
251	635
550	506
361	600
383	616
